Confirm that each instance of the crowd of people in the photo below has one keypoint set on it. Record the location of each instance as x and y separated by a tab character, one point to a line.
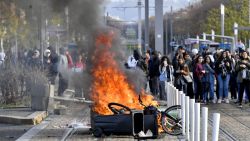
53	64
207	77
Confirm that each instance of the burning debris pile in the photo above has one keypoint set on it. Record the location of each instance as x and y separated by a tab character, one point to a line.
109	81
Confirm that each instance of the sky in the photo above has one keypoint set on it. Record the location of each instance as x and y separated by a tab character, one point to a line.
114	8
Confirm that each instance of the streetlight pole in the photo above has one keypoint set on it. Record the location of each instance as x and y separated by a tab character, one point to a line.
166	39
139	25
146	25
67	22
249	12
235	35
58	39
212	33
204	36
159	26
171	24
222	7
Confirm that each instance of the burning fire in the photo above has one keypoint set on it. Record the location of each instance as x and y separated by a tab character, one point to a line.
160	128
110	83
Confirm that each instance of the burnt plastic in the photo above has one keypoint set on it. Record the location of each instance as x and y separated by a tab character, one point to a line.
122	124
138	122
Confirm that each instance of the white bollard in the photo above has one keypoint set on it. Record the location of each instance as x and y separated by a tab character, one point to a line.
204	112
197	122
173	96
216	126
168	93
187	116
191	118
51	90
176	97
180	94
183	113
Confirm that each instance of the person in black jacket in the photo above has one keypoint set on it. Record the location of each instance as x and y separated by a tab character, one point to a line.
53	70
223	69
154	73
243	76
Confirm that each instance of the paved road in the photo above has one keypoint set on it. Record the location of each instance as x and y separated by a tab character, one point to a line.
234	121
10	132
234	124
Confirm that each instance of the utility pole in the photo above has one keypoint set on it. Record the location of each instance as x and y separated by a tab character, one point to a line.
222	20
235	35
249	12
67	22
171	24
146	25
166	39
159	26
139	25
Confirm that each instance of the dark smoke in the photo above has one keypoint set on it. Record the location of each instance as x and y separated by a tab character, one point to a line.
86	22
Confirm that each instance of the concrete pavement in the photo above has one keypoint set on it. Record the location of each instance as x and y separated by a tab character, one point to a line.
22	116
234	124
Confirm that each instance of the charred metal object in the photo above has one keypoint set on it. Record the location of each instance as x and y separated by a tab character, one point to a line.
125	121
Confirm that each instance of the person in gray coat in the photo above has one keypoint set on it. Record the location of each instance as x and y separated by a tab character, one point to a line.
63	71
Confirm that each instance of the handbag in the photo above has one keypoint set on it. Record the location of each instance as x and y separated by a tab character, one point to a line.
247	75
187	78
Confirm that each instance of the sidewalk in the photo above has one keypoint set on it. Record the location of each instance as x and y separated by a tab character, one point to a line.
22	116
14	122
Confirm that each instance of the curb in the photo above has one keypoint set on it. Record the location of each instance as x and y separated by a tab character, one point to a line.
33	119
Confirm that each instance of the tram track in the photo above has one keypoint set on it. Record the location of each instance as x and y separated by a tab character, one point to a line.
227	134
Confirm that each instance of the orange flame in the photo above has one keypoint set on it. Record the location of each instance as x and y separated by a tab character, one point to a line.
110	83
160	128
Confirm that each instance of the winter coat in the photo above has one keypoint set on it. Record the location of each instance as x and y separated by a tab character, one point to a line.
243	71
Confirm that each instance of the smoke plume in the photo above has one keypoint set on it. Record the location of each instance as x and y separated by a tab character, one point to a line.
86	21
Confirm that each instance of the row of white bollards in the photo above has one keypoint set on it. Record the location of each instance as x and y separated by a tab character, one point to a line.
190	113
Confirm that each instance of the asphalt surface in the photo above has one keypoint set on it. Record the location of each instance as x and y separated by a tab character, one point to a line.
234	125
10	132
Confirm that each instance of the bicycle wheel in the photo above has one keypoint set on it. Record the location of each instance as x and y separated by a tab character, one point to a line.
171	120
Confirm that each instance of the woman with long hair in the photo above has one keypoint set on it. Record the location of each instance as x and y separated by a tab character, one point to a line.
223	68
208	80
183	79
199	73
166	72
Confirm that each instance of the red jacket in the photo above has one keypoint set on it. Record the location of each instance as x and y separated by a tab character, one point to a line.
70	61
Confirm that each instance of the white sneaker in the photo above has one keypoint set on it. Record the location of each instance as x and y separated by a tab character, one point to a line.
214	101
227	101
219	101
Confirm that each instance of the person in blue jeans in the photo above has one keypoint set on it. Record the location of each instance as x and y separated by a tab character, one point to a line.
166	72
223	68
208	80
